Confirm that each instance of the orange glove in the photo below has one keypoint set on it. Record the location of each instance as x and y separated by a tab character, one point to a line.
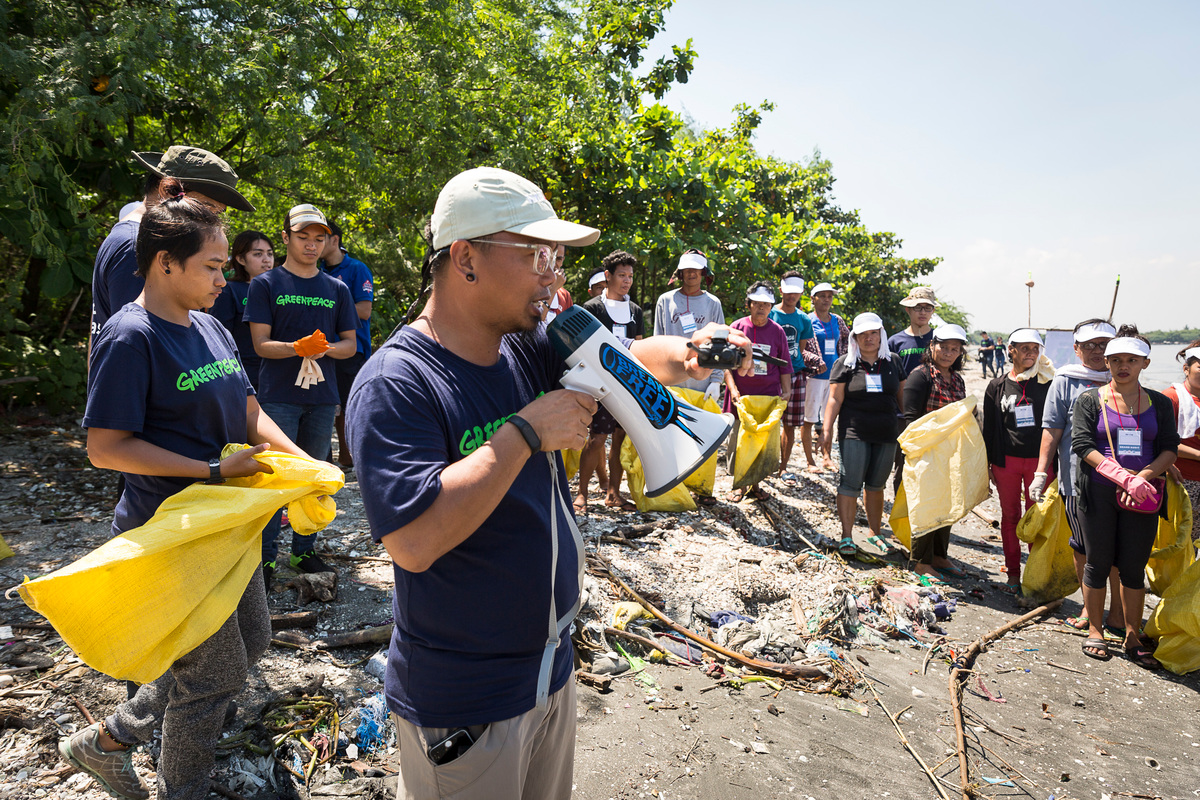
312	345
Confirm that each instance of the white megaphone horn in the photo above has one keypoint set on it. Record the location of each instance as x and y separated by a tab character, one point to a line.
673	438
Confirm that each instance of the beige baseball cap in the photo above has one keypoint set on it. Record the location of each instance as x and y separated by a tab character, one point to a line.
919	295
487	200
305	214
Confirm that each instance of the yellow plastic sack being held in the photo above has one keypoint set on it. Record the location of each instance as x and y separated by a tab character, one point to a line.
675	499
704	480
758	445
1175	622
134	605
945	466
571	462
898	519
1173	549
1049	571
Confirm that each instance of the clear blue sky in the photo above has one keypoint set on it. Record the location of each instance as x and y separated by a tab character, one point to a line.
1061	138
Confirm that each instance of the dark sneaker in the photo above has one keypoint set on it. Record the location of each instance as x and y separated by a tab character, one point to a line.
310	562
268	569
114	771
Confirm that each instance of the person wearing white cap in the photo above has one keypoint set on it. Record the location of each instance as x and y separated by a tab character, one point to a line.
767	379
803	351
936	383
1012	431
1071	380
866	390
626	320
831	337
286	308
682	311
1185	397
455	425
597	283
1125	439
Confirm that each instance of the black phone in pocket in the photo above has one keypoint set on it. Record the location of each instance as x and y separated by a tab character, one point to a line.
454	745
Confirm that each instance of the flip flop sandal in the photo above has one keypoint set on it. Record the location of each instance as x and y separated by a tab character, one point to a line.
759	494
1114	634
1080	623
580	508
789	478
1010	588
1091	646
930	580
953	572
847	547
1143	658
883	546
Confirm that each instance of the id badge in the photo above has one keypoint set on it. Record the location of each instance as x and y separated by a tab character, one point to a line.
688	321
830	347
1129	442
618	331
1024	416
760	367
874	383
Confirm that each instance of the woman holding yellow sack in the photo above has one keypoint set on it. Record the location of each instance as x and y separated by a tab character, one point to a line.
768	378
166	393
935	383
866	390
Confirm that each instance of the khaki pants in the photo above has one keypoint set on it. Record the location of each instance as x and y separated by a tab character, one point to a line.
530	757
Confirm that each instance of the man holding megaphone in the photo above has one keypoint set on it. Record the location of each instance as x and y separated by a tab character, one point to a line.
454	426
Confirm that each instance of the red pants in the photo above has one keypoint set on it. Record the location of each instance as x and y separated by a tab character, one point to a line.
1012	483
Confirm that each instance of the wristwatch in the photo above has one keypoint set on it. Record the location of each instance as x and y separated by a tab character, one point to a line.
527	431
214	471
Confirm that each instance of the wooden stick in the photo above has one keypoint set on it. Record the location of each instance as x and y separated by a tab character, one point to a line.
340	557
986	517
600	682
87	715
907	745
781	670
1063	666
378	635
929	654
302	619
643	528
958	672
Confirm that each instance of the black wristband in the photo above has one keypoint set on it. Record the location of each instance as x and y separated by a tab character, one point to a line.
527	431
214	470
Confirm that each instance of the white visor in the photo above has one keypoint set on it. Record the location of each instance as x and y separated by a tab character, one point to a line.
949	333
1190	353
1026	336
597	278
792	286
822	287
1128	345
761	295
1096	330
692	261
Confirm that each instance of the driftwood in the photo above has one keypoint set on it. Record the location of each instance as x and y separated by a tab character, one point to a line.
302	619
314	586
986	517
791	671
600	682
642	528
378	635
958	672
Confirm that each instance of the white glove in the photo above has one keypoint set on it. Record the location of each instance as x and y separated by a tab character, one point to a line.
1037	486
713	391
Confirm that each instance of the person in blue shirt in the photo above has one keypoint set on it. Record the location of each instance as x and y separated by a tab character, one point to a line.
336	261
287	308
831	336
799	329
166	393
250	256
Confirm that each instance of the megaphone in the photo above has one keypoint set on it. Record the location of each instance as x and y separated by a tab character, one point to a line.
673	438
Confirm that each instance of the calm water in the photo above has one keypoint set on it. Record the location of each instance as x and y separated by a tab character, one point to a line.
1164	369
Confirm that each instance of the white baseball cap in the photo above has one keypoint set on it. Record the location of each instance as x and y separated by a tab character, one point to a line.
867	321
305	214
761	295
822	287
487	200
949	332
792	286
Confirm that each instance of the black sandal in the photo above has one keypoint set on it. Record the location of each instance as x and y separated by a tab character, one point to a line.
1097	649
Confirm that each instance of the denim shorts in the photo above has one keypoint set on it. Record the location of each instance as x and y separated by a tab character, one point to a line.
864	463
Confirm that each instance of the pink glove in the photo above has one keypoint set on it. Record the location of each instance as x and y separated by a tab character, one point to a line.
1135	486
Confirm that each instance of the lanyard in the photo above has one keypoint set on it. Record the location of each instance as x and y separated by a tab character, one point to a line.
1112	396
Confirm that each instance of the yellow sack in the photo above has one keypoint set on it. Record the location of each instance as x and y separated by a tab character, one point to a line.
5	550
1050	569
945	466
1173	549
134	605
571	462
1175	622
703	480
675	499
626	612
758	444
898	519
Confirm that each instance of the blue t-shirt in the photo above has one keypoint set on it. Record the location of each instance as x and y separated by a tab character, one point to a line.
357	277
228	309
295	307
798	327
910	348
471	629
181	388
829	339
115	281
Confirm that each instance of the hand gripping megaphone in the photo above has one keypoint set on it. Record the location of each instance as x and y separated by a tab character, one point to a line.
673	438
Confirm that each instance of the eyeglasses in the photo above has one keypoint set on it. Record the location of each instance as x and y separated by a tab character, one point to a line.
1090	346
544	254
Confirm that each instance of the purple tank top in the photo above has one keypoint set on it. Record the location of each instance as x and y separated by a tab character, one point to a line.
1147	425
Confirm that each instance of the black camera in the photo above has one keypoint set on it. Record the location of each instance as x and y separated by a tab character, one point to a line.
718	353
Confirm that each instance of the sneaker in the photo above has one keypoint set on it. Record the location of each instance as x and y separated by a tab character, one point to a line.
114	771
310	562
268	569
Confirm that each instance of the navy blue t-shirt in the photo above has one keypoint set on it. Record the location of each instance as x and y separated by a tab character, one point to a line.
294	307
229	309
357	277
471	629
115	281
181	388
911	349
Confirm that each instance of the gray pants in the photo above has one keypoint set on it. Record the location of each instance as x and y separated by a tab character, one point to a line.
930	545
188	702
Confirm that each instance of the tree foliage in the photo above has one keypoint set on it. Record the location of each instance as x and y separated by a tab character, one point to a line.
367	109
